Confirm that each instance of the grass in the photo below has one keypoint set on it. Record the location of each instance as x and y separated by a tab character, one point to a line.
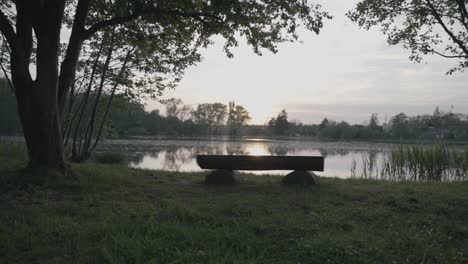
110	158
418	163
113	214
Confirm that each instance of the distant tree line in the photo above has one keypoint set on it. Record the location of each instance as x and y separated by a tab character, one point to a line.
128	117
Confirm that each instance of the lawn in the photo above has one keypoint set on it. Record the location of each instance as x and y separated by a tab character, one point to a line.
112	214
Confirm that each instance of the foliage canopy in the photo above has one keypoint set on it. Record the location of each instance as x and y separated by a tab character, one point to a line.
424	27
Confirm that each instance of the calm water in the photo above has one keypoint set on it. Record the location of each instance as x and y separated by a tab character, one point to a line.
179	155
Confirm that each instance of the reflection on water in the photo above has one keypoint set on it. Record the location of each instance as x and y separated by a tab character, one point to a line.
341	158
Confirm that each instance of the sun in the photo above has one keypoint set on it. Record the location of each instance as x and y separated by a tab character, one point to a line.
259	112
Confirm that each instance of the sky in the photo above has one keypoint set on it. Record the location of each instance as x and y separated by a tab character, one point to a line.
344	73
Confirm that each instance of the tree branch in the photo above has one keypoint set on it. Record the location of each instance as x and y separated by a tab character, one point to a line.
7	30
10	84
68	66
446	56
446	29
153	11
426	49
19	62
24	28
463	12
463	9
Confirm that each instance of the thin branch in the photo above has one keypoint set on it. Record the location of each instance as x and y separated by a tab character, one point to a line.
447	56
98	137
92	120
5	72
78	129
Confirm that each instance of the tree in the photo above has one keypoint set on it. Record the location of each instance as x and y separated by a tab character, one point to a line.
184	112
173	107
31	33
374	121
176	108
423	26
211	115
238	116
325	123
400	126
437	113
280	124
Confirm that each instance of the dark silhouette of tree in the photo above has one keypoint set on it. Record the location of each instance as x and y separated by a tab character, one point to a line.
173	107
400	126
211	115
437	118
238	116
423	26
325	123
374	121
128	117
41	100
280	124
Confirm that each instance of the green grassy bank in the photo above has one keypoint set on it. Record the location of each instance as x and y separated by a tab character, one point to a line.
112	214
116	215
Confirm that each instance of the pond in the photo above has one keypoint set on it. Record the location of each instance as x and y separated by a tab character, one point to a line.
180	155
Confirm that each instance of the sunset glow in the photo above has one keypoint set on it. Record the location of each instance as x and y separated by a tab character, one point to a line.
257	149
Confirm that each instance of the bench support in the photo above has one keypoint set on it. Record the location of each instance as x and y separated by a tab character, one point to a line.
222	177
231	177
297	177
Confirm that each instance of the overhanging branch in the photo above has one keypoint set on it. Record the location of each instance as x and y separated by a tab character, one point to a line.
437	16
200	16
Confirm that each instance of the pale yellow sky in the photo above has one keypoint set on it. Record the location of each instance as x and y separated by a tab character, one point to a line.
345	73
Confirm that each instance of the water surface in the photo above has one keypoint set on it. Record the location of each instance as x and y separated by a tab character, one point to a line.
180	155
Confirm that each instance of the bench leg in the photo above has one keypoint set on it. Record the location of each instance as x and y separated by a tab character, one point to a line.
222	177
305	178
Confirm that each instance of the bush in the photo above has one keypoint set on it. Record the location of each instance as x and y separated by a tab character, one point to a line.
110	158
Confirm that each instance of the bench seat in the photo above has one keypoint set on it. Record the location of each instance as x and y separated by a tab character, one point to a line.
225	167
257	163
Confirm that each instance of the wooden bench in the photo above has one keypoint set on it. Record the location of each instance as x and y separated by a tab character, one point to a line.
225	167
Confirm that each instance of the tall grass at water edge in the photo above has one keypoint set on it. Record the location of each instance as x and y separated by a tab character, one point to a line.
417	163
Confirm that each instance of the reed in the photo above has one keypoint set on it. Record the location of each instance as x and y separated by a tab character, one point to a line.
418	163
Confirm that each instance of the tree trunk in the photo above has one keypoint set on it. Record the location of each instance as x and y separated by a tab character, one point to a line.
38	103
42	131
